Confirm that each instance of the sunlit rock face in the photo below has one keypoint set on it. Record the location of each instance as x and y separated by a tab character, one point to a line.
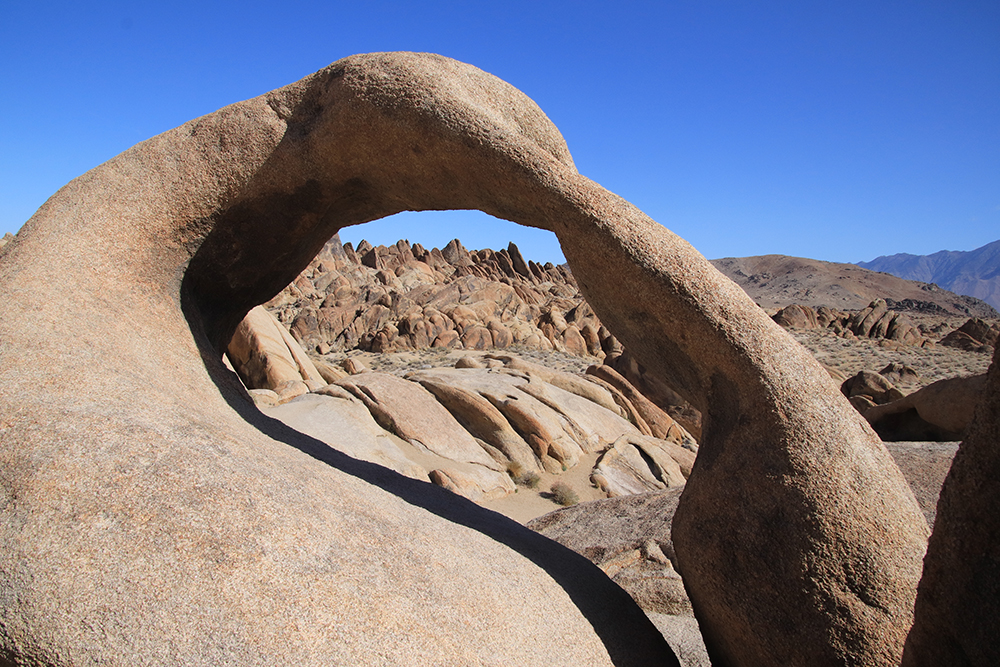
152	514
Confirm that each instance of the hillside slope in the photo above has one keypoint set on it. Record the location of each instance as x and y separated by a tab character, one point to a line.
775	281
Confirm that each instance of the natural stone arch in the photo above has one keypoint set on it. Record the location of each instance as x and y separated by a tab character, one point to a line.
798	538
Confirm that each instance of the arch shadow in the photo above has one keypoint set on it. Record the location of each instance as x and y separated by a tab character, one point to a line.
629	636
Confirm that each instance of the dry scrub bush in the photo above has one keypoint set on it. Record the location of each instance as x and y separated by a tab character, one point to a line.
563	494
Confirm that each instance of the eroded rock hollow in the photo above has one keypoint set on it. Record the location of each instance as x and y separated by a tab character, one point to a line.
151	514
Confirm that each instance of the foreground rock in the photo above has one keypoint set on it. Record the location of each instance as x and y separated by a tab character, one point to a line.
170	522
127	503
629	538
468	428
958	604
266	357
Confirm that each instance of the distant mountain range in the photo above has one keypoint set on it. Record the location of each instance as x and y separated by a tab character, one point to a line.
775	281
974	272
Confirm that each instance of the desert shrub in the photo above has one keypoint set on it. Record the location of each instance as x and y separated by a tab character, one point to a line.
528	478
563	494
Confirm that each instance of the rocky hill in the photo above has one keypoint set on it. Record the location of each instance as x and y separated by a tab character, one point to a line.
775	281
384	299
407	298
974	272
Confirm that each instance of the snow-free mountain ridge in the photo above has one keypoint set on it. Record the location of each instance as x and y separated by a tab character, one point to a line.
973	272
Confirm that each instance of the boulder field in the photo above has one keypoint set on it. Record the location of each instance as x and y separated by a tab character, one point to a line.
151	514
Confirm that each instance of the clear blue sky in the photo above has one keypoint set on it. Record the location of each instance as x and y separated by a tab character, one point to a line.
832	130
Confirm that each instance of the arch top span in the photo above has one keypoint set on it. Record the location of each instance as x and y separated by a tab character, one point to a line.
782	553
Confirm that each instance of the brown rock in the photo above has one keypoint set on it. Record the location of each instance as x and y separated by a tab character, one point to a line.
660	424
266	356
638	464
484	421
657	390
411	412
940	411
605	530
330	374
979	331
974	335
872	386
796	316
477	338
447	338
958	604
629	538
354	366
573	341
797	537
335	417
862	322
517	260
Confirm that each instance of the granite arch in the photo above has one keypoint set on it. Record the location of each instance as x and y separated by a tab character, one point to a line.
185	232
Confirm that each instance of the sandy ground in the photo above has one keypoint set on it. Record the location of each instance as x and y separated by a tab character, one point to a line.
528	504
849	357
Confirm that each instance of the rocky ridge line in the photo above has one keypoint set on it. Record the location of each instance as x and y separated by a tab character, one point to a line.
383	299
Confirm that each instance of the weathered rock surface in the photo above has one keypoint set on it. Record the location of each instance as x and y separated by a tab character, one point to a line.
629	538
411	412
657	422
657	390
556	425
338	419
876	320
873	387
447	431
940	411
958	604
975	336
797	537
639	464
265	356
796	316
171	522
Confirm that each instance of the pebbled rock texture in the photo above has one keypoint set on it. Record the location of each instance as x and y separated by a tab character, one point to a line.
957	614
172	522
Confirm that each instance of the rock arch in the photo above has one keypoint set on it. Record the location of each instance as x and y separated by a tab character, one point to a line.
150	511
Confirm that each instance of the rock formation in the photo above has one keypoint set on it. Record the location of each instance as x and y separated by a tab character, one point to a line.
975	336
868	389
940	411
629	538
401	297
170	521
265	356
958	604
876	320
